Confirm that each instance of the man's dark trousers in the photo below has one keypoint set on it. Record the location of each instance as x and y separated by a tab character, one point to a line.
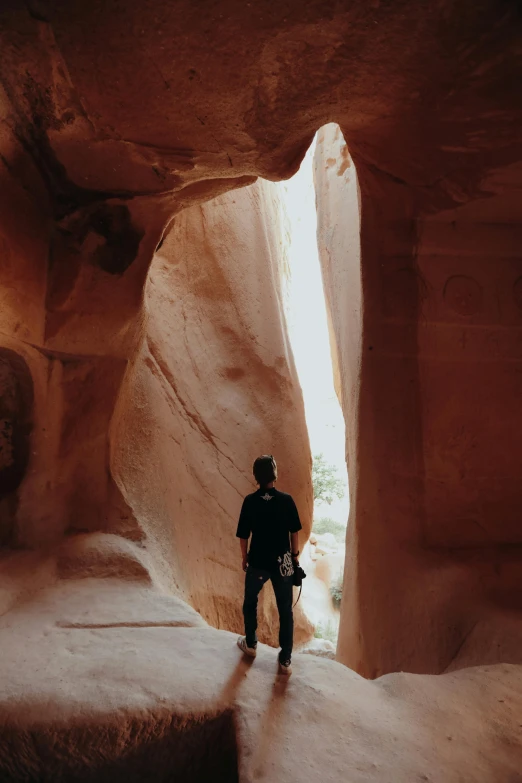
254	581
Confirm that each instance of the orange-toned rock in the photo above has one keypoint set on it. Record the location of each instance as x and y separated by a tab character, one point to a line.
212	387
107	680
329	568
117	116
176	414
427	364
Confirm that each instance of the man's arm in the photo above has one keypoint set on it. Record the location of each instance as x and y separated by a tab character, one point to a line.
244	555
243	532
294	545
294	526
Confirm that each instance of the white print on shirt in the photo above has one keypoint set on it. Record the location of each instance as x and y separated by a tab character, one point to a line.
286	567
266	497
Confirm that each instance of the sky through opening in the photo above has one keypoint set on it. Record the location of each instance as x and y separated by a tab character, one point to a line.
308	329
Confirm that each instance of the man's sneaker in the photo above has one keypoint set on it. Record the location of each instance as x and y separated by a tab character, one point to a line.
243	646
285	665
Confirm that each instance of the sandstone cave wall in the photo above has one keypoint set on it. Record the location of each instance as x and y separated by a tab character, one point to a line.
129	421
212	386
118	116
433	546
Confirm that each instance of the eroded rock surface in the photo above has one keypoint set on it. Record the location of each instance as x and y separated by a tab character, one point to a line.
115	118
157	445
213	385
426	347
104	681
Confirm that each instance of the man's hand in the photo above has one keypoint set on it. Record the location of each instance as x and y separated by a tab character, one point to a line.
244	552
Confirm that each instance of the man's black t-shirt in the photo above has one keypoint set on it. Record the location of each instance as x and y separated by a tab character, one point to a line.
269	516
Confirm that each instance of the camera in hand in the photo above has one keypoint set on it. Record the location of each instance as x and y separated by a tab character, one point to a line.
299	575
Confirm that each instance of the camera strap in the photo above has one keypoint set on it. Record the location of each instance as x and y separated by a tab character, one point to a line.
298	597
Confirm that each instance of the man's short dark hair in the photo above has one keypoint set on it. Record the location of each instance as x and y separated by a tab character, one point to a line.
265	470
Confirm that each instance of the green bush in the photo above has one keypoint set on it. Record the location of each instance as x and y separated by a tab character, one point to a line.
336	591
328	631
329	525
326	483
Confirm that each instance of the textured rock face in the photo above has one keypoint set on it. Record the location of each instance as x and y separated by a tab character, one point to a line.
115	117
157	446
428	373
112	682
212	386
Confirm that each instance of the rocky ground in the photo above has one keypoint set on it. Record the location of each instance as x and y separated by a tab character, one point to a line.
107	680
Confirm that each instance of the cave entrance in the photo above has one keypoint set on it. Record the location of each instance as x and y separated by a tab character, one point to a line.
313	345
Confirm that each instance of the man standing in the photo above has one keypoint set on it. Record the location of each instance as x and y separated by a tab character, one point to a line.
271	518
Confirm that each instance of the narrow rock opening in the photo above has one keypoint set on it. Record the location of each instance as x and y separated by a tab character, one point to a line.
232	277
327	173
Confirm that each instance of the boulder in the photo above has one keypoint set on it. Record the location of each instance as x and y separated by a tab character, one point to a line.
330	567
326	540
322	648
